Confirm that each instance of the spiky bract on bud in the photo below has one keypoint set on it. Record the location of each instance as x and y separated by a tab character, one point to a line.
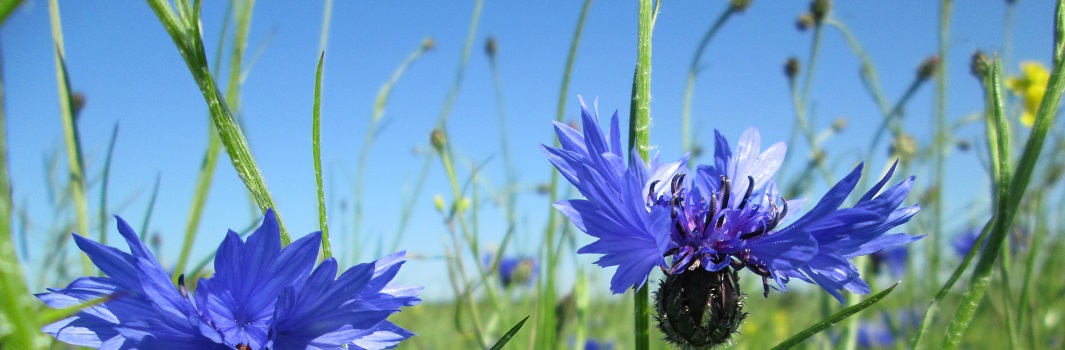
700	309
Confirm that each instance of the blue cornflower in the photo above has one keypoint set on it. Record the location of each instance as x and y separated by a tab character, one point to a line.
592	344
715	221
965	240
515	270
893	258
262	296
889	329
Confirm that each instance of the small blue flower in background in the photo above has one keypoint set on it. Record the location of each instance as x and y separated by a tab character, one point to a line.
592	344
894	259
889	330
262	296
715	221
515	270
964	242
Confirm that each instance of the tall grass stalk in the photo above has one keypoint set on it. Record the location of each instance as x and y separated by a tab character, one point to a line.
640	147
68	114
693	71
316	150
801	97
242	15
7	7
103	187
511	177
371	134
1007	209
835	318
151	208
184	30
1024	307
939	150
16	304
545	316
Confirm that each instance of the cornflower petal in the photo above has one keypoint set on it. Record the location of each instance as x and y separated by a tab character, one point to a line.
261	295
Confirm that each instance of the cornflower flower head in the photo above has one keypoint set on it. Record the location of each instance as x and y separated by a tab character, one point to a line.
262	296
894	259
714	222
514	270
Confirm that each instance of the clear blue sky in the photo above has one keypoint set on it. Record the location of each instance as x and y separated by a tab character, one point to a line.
119	56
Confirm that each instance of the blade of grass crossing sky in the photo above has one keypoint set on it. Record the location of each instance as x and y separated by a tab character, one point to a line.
1044	119
151	208
186	37
210	158
693	71
16	303
103	188
545	315
68	114
835	318
316	148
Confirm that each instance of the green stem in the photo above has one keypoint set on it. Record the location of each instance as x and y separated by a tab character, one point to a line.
214	148
892	115
1023	306
103	186
639	146
70	131
371	134
509	195
184	31
545	316
869	76
316	150
16	303
1019	181
6	7
693	71
151	208
939	141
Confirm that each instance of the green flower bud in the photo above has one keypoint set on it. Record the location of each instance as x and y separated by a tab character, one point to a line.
791	68
428	44
804	22
490	47
739	5
820	9
904	147
438	140
928	68
980	65
700	309
839	124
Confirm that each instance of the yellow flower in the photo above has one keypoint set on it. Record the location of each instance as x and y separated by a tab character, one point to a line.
1030	87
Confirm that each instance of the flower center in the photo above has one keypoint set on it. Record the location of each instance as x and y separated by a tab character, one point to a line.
710	228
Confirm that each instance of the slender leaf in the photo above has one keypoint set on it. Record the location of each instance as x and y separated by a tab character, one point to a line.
510	334
835	318
1007	209
68	115
316	147
186	37
103	189
16	304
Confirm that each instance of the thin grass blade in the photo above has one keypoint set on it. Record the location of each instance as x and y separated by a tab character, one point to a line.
835	318
510	334
316	146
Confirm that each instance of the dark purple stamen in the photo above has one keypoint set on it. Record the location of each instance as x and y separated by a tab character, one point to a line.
181	286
